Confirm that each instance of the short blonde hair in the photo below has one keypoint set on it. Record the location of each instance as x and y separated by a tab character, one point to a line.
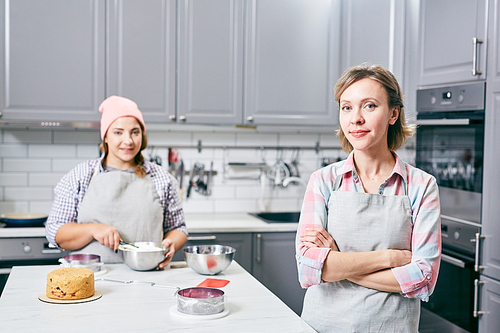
399	132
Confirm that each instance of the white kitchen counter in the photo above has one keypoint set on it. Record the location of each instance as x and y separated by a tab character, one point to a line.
239	222
196	223
140	307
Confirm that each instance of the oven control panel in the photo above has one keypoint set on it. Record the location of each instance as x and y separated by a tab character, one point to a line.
466	97
459	235
27	248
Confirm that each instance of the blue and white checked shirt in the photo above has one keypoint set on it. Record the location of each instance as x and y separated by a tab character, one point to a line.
72	188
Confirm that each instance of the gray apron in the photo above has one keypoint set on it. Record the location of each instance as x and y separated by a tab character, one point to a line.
362	222
125	201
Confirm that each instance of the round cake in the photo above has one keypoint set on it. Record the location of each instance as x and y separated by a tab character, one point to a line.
70	283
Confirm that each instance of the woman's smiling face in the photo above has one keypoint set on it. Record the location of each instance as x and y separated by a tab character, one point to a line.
124	140
365	115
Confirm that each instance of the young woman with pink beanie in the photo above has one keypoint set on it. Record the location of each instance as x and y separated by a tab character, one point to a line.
118	196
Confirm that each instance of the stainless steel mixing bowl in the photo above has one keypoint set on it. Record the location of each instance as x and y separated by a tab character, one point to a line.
208	259
143	258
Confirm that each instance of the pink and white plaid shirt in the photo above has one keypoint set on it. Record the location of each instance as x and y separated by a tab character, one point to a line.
417	279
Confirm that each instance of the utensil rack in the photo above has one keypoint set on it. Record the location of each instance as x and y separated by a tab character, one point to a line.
200	147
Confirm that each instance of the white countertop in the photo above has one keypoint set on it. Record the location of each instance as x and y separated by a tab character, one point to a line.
140	307
196	223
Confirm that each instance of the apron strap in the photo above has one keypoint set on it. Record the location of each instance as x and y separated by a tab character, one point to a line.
405	178
336	183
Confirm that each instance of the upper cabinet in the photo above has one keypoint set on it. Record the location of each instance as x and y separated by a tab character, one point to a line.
210	62
291	61
140	63
374	32
52	59
452	41
200	62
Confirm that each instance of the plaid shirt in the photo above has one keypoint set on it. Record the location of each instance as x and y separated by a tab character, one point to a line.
417	279
71	189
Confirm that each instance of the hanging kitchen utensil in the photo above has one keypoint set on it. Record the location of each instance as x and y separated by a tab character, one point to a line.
208	189
279	171
180	176
294	169
194	177
173	160
154	158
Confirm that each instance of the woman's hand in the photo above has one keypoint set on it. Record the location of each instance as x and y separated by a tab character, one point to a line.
169	255
318	237
106	235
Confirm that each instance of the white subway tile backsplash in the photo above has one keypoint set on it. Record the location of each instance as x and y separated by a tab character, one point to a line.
288	140
214	138
256	139
13	206
28	193
196	205
77	137
166	138
13	150
44	178
65	165
13	179
236	206
33	162
40	206
51	150
27	136
223	192
88	151
284	205
26	165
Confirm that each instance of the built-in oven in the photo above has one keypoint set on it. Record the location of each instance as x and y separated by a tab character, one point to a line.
25	247
449	145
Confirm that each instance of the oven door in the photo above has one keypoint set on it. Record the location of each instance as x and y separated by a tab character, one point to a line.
453	297
450	147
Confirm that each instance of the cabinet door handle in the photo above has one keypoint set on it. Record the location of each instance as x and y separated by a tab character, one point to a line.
259	237
182	118
172	117
250	119
477	240
475	312
201	238
475	42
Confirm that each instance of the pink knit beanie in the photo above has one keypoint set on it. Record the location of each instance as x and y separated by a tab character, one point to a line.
115	107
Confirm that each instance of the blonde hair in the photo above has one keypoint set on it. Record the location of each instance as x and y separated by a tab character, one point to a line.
139	168
399	132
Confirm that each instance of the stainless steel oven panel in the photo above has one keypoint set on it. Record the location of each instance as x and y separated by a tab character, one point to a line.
467	97
458	235
27	248
464	205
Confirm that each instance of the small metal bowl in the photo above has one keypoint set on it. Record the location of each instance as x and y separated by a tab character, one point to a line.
208	259
91	261
143	258
200	301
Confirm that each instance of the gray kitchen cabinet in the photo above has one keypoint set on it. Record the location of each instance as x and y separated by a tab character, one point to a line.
242	242
52	59
447	29
275	267
380	41
210	62
141	55
489	321
291	62
490	245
